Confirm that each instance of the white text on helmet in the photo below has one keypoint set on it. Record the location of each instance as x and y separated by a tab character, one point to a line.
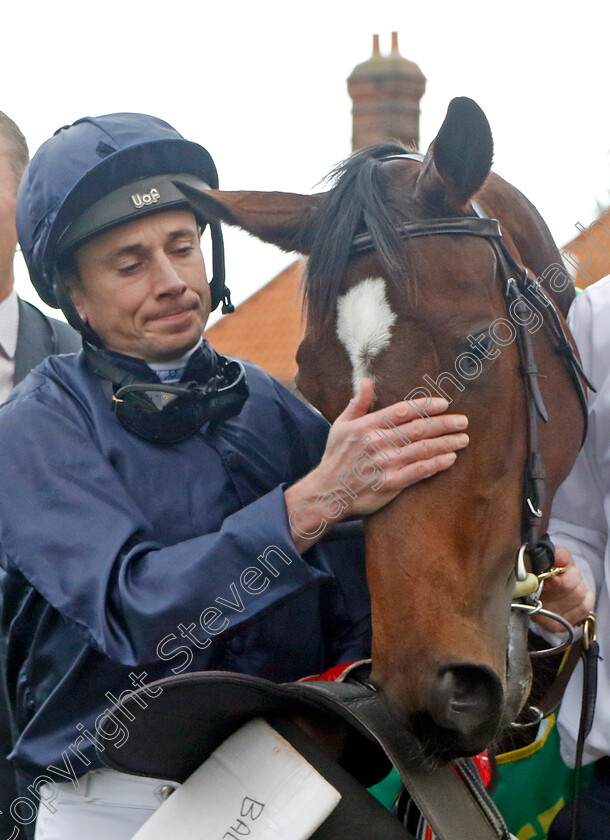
148	198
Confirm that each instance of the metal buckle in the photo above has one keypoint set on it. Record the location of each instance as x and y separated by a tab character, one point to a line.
511	283
536	511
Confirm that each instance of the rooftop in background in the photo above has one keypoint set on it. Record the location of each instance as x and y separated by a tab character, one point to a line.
266	328
588	255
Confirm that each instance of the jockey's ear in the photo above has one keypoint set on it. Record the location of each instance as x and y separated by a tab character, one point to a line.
283	219
458	160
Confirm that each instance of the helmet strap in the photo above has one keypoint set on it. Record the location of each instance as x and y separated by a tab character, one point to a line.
220	292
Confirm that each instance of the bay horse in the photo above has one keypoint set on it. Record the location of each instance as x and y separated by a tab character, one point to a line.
412	284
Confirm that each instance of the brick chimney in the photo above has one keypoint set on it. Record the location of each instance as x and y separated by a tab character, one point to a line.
386	92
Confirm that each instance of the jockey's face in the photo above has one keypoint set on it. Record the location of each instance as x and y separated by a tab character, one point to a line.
142	286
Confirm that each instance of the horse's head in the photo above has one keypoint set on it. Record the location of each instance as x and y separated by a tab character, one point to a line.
422	306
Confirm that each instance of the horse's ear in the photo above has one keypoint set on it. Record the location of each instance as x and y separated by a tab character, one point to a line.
458	160
281	218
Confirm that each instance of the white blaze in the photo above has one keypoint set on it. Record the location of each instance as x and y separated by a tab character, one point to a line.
364	325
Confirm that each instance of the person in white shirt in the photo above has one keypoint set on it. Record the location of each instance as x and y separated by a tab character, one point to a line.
580	523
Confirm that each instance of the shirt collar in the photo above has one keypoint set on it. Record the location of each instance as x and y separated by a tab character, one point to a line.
172	371
202	363
9	324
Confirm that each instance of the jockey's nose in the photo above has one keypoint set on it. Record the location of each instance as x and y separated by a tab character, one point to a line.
467	701
165	279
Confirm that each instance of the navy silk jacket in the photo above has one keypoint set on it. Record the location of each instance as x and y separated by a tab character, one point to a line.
125	561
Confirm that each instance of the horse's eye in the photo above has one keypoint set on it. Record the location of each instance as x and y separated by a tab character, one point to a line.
482	345
486	342
469	366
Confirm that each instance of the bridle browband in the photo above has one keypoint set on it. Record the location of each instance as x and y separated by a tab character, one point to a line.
466	225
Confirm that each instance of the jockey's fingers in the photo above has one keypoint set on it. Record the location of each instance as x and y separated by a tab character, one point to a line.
429	448
421	469
415	431
444	424
360	403
402	477
403	411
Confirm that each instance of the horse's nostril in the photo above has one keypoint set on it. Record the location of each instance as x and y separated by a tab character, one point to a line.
468	700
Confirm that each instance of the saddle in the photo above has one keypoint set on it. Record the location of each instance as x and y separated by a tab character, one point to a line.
176	723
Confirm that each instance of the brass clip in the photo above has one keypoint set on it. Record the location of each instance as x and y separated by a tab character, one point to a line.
589	629
552	572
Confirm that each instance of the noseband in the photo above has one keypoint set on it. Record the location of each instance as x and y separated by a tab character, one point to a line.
518	289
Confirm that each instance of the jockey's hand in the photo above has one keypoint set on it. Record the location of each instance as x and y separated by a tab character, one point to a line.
566	594
419	442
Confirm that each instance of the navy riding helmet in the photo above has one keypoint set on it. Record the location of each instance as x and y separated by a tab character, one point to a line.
96	174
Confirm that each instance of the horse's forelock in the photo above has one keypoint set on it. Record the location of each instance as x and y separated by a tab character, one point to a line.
356	203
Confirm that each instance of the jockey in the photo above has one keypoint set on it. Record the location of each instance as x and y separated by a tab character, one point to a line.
149	520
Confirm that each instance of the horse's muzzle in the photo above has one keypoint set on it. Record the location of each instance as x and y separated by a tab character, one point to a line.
465	704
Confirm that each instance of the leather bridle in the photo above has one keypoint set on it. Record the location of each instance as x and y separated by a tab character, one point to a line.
518	289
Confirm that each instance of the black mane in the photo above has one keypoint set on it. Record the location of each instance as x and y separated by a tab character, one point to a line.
356	203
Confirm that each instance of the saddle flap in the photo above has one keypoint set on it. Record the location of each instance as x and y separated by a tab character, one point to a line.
176	723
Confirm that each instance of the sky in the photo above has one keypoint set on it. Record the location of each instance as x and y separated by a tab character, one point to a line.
263	87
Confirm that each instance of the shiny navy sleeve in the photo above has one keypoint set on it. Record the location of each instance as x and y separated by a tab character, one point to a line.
346	610
71	528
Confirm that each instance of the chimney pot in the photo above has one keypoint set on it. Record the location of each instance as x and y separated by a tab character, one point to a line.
386	92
